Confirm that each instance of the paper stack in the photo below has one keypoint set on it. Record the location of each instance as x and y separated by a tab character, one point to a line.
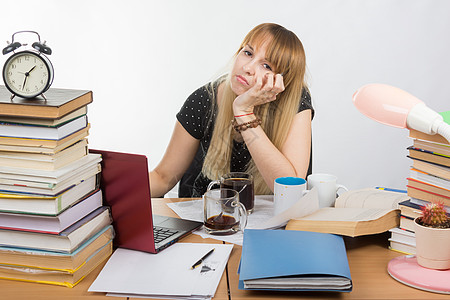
166	275
53	225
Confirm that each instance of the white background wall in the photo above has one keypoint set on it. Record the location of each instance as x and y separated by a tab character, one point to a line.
143	58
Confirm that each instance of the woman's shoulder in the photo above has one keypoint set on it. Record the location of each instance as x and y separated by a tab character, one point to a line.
201	92
209	89
306	102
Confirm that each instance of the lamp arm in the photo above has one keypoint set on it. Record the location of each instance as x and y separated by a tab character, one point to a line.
426	120
444	130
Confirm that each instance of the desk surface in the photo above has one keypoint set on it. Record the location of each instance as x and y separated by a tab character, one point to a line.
368	257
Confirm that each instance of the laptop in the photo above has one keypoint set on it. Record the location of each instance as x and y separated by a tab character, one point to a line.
126	189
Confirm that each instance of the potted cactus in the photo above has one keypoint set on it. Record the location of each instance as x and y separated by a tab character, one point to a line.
432	230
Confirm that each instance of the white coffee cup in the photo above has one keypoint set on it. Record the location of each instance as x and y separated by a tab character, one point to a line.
287	191
327	188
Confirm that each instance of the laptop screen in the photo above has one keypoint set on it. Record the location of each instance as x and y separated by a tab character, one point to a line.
126	189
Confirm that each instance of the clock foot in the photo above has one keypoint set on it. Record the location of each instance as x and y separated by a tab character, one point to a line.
12	97
43	96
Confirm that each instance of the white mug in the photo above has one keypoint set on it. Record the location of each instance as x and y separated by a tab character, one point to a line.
327	188
286	192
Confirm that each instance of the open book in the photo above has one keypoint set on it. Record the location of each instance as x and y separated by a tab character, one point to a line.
358	212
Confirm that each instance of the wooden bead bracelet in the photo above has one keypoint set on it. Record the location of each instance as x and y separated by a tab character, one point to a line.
244	126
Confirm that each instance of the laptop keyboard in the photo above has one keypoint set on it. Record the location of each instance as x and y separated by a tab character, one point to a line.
162	233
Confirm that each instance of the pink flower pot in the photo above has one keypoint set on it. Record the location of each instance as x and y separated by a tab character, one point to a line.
432	246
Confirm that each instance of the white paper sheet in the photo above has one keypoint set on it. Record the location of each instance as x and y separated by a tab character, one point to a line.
156	297
261	218
166	274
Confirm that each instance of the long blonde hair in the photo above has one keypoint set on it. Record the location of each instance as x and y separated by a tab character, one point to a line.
286	54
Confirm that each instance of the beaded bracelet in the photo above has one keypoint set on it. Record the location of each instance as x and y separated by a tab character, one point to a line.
244	126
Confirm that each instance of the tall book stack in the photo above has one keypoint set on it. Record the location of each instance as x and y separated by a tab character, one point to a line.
429	180
53	226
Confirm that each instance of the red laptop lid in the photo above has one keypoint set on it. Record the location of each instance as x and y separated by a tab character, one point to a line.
126	189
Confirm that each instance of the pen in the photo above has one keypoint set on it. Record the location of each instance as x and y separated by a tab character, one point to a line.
202	259
390	190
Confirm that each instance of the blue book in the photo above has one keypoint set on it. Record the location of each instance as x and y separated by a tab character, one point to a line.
292	260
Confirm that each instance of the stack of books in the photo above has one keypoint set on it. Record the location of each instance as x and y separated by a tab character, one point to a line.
429	180
403	238
53	225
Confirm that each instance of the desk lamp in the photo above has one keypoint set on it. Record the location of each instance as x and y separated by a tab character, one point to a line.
392	106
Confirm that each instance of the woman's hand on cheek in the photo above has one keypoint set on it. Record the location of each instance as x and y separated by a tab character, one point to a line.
265	89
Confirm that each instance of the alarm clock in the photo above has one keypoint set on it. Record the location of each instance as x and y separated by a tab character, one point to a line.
28	73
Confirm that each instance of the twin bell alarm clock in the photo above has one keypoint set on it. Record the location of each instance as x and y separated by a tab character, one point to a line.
27	73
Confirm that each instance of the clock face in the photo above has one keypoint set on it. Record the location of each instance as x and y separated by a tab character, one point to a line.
27	74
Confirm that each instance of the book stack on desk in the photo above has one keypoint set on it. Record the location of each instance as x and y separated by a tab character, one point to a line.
403	238
429	180
53	225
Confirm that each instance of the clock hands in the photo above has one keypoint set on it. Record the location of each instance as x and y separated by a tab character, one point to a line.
24	81
26	76
30	70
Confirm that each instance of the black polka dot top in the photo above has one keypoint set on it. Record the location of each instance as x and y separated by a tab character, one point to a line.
197	117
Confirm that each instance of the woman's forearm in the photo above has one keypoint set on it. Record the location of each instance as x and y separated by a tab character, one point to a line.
291	160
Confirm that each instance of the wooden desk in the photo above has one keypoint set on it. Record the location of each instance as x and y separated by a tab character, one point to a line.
368	257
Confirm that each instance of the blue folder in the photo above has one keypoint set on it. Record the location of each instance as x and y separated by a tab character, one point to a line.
294	256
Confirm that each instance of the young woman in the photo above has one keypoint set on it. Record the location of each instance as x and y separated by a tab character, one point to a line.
256	119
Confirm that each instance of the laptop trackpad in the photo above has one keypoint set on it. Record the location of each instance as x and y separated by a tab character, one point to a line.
175	223
169	222
159	220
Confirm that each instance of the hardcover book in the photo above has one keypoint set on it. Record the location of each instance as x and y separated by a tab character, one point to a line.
427	195
68	278
12	143
66	241
46	205
45	122
433	169
429	178
57	260
405	248
403	236
51	224
407	223
429	187
47	187
44	162
43	132
52	177
409	209
429	156
432	147
59	103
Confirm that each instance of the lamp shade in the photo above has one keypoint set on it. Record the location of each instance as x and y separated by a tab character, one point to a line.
395	107
384	103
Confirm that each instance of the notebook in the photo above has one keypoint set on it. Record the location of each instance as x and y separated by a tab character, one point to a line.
126	189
